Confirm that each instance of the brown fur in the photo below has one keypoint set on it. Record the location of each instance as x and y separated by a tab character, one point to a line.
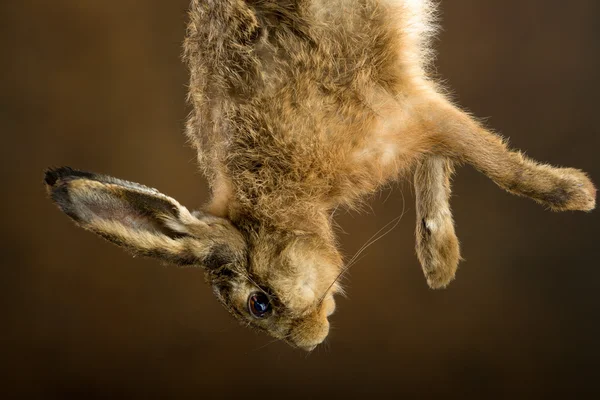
437	244
301	106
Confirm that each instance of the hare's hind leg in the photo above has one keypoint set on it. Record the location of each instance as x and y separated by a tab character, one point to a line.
437	244
460	137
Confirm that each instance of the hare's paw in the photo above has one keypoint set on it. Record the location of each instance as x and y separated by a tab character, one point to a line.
439	252
573	190
442	268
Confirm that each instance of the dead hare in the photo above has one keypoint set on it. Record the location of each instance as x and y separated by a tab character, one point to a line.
299	107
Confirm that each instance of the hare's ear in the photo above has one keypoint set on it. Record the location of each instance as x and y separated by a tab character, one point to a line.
133	216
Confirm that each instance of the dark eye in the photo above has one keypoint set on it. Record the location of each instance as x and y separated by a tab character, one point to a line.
259	305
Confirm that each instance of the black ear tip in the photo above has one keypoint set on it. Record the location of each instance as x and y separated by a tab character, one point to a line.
53	175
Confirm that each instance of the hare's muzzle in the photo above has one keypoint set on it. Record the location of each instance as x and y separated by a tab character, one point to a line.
311	331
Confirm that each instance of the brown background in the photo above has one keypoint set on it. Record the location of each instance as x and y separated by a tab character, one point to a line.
99	85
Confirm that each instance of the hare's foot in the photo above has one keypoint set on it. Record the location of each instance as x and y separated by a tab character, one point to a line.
437	245
438	251
564	189
463	138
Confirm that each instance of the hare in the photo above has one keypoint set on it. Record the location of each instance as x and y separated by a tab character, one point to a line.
299	107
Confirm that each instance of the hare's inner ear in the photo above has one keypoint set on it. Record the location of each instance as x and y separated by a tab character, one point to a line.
131	215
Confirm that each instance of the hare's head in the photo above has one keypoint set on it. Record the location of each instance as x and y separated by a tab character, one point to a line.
281	282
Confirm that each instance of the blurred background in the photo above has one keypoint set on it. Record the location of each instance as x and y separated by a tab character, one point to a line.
99	85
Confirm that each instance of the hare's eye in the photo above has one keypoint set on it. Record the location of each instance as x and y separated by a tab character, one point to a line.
259	305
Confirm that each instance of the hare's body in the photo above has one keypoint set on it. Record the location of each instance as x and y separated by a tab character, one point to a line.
301	106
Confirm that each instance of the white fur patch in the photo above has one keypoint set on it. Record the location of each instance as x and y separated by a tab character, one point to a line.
307	284
431	225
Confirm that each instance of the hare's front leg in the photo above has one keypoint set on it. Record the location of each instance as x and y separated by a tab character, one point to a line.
457	135
437	244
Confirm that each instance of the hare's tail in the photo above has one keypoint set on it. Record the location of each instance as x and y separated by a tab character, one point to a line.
437	245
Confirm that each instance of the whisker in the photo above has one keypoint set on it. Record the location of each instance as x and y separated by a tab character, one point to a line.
394	222
265	345
356	261
372	240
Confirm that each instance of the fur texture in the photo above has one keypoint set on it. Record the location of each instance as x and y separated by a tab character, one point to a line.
301	106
